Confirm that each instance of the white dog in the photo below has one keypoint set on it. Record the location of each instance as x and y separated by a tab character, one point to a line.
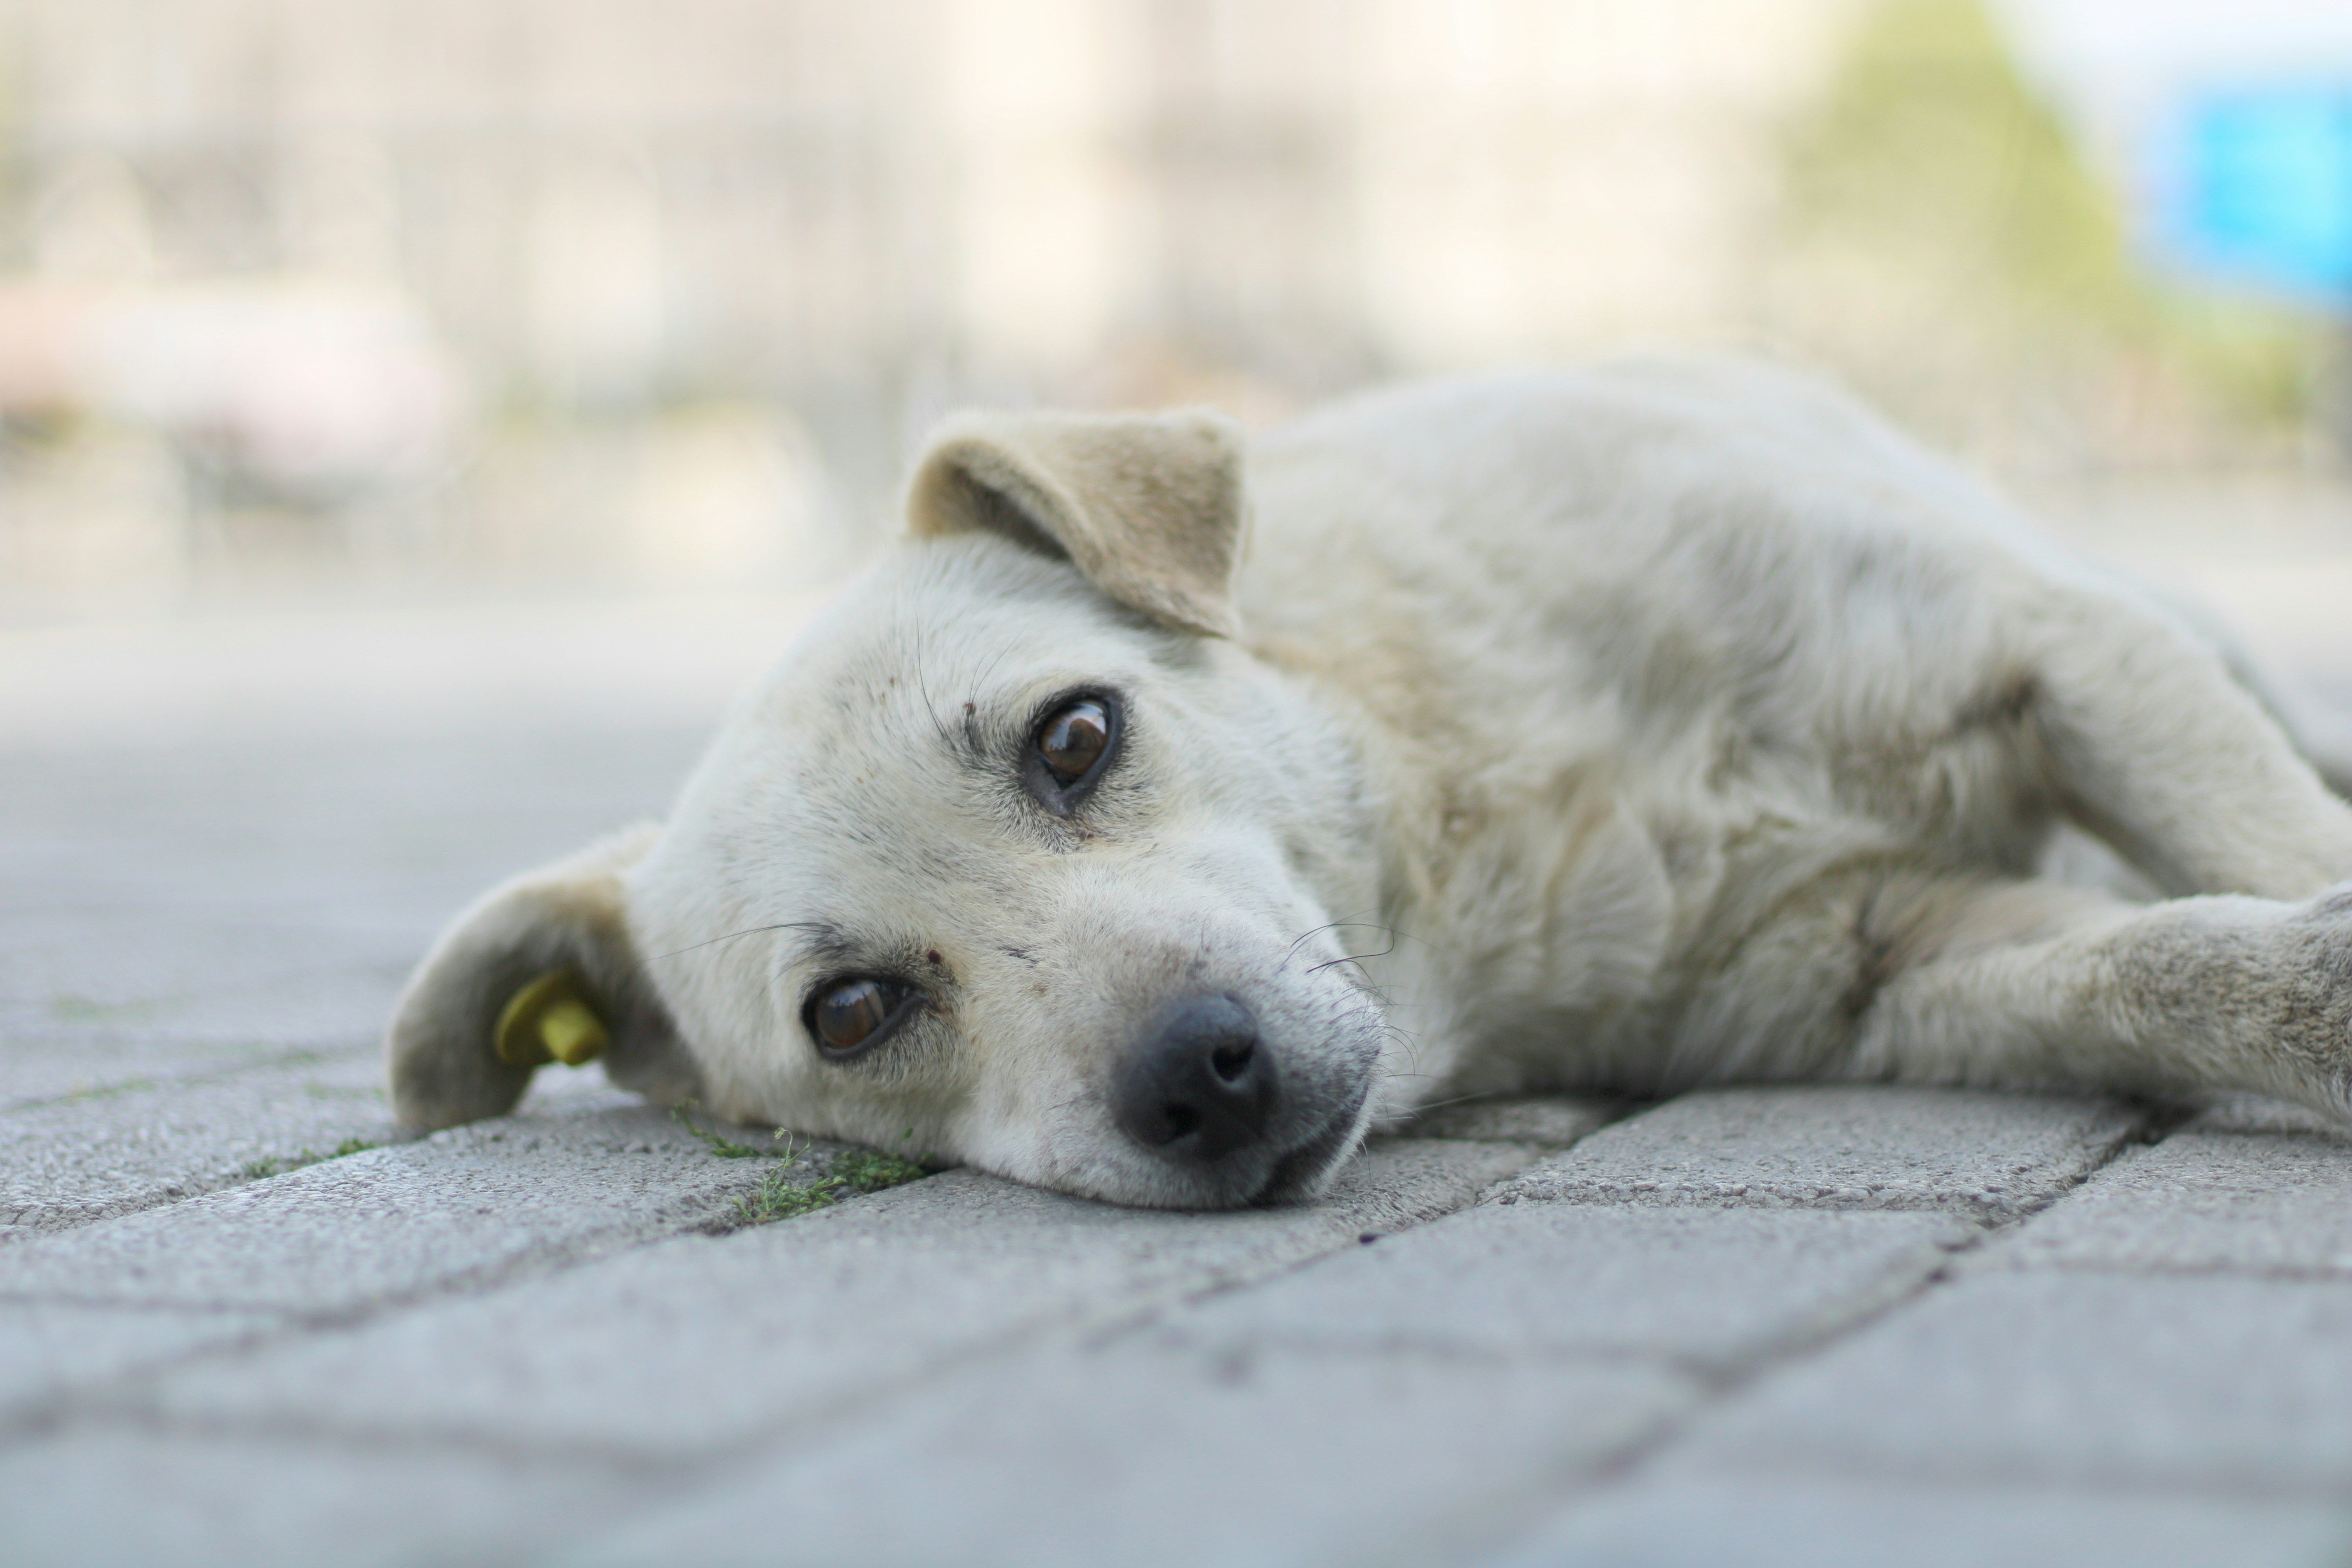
1145	830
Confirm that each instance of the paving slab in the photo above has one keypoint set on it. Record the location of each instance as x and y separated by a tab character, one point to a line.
1147	1452
301	1019
2276	1201
1815	1522
1844	1146
197	1499
87	1158
395	1222
699	1344
2224	1384
1712	1289
219	893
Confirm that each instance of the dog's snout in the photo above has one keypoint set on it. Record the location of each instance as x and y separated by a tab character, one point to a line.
1200	1084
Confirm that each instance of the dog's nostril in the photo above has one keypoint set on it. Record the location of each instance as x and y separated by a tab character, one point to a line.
1196	1087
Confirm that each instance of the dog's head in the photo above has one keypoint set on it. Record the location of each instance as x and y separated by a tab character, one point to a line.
1017	859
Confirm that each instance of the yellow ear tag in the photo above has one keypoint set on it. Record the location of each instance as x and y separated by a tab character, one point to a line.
547	1021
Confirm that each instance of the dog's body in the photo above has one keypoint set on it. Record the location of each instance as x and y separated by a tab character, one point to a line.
1665	724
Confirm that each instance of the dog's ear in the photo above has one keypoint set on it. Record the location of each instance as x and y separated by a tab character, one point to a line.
1148	506
542	968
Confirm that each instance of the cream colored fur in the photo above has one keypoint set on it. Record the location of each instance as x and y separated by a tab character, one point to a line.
1670	723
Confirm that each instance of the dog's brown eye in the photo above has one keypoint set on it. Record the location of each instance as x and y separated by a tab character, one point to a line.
1073	739
847	1016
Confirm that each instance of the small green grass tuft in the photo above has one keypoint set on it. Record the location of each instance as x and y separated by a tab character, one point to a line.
870	1170
726	1147
851	1173
259	1169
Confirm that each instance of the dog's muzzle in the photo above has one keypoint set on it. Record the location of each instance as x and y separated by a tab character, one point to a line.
1201	1088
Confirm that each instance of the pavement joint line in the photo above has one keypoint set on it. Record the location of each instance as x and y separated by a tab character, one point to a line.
531	1263
1503	1522
126	1416
1485	1537
2036	1475
1520	1514
1128	1317
1898	1288
1978	1264
877	1399
578	1251
117	1401
810	1423
46	1222
1121	1321
2154	1124
291	1056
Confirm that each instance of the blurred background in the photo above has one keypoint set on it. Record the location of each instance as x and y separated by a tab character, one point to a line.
495	310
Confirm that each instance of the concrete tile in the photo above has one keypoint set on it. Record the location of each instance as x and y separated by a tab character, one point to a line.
1551	1120
701	1344
391	1222
66	1040
40	1066
1712	1287
1141	1456
200	1499
2209	1381
141	962
2277	1201
47	1348
1844	1146
1813	1522
74	1161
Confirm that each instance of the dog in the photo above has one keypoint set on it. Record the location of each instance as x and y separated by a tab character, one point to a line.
1166	810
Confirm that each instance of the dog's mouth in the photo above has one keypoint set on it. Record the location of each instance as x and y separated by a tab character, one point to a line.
1301	1175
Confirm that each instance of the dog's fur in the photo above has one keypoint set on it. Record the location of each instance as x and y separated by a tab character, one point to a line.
1667	724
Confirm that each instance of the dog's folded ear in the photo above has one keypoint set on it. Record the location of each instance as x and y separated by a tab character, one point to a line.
1149	507
541	969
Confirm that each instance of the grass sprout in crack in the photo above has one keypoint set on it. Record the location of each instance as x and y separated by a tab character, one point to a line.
796	1186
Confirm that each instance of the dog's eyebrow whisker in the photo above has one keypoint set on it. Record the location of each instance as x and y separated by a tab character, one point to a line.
732	935
960	746
981	680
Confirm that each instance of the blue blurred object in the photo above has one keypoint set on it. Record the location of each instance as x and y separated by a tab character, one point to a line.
2257	184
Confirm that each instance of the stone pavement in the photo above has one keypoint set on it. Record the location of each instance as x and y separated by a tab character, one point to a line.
241	1324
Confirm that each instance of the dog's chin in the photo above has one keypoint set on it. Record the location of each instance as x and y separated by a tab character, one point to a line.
1304	1173
1299	1174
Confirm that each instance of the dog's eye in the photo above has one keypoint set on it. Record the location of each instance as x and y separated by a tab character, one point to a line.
1073	739
849	1014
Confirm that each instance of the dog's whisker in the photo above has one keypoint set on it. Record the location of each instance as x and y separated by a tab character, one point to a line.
734	935
1355	957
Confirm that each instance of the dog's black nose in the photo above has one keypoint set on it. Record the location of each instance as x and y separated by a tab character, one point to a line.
1200	1084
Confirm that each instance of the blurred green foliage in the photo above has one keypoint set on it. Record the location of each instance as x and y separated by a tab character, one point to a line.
1931	157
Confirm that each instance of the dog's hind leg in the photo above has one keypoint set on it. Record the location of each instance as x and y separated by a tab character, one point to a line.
2149	742
2320	730
2028	983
